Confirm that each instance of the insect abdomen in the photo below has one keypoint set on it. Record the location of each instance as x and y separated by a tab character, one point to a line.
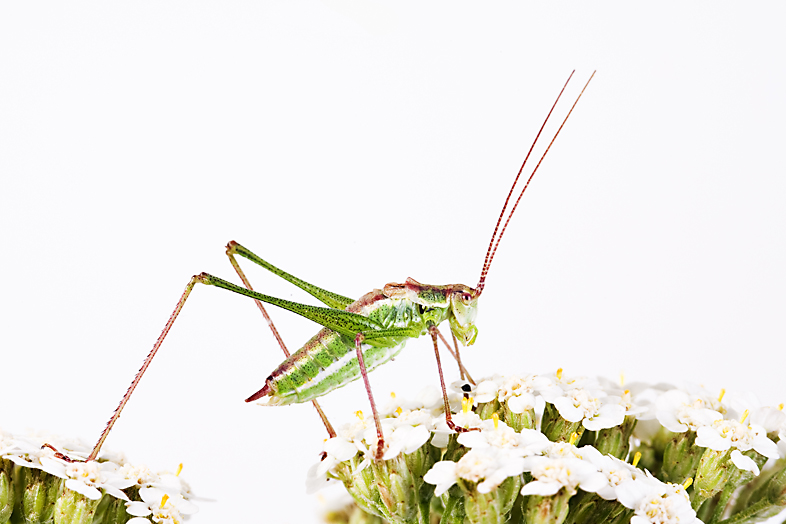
329	360
326	362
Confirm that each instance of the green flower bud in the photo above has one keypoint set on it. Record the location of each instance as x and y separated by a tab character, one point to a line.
776	487
616	441
361	485
589	508
518	421
620	515
556	428
649	460
491	507
350	514
39	496
768	499
7	497
552	509
74	508
486	409
737	477
111	511
392	489
712	474
398	489
680	457
453	503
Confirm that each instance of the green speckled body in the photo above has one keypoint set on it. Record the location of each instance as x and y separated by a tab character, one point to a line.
329	360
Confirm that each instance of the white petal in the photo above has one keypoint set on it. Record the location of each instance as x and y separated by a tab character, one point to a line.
416	437
53	467
138	509
542	488
708	437
766	447
152	496
340	448
486	391
521	403
83	489
567	410
443	474
186	507
115	492
473	439
669	420
744	462
594	482
440	439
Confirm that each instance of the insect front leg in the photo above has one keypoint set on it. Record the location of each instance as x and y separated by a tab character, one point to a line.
230	253
454	351
448	420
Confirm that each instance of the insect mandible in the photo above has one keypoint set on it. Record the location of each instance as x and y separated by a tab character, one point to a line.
357	335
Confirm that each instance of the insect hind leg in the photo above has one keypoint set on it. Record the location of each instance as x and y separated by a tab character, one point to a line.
232	260
180	303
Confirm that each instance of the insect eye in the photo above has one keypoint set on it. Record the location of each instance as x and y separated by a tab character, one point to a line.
466	297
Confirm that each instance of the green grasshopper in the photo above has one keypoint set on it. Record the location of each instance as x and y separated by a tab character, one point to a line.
357	335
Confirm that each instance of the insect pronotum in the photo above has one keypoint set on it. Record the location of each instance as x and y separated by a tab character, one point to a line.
357	335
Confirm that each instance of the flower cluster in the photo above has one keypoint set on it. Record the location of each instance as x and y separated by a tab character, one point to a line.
45	478
553	449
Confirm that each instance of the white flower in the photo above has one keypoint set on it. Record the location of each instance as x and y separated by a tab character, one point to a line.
166	508
565	382
418	417
443	475
725	434
488	467
655	502
768	417
64	458
429	398
402	439
337	450
83	477
741	436
591	406
616	472
500	435
486	390
519	392
678	411
463	419
553	474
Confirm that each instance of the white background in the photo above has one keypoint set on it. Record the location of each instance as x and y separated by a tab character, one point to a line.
358	143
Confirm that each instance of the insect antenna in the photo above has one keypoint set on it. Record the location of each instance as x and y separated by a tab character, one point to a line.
495	240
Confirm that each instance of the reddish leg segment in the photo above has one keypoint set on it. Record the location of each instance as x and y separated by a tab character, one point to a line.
380	438
145	364
239	271
448	419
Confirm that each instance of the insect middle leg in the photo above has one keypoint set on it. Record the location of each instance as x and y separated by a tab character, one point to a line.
242	275
380	437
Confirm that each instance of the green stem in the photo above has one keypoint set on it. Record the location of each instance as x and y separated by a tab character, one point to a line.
454	511
747	513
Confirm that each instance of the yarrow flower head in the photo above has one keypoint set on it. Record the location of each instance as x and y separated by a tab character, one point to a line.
553	448
56	481
656	502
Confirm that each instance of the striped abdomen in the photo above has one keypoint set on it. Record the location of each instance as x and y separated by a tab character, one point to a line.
329	361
